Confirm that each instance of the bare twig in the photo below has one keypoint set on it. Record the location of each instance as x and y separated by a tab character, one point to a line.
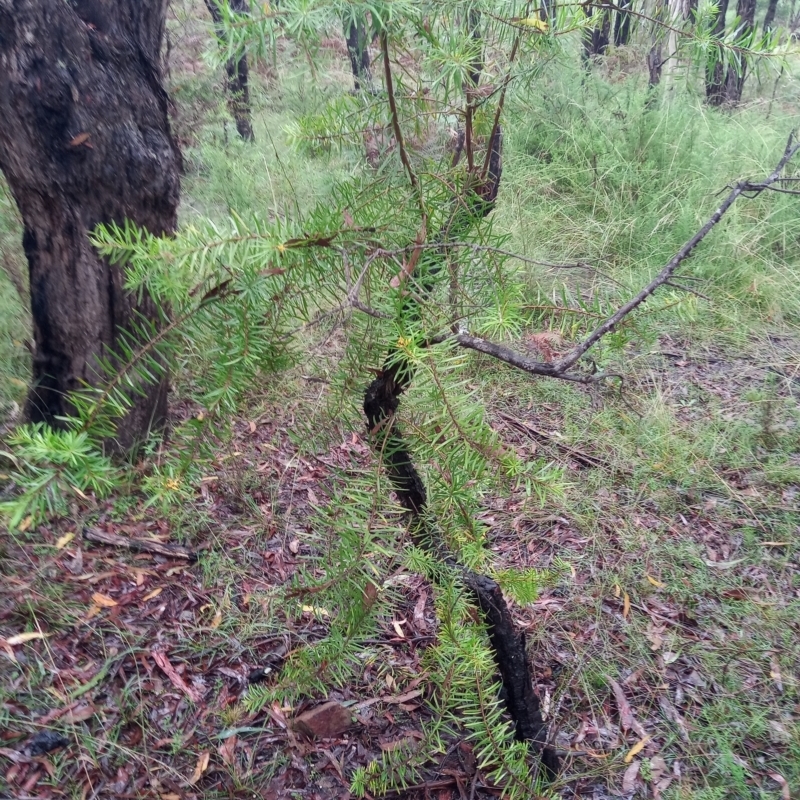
501	100
139	545
669	270
398	133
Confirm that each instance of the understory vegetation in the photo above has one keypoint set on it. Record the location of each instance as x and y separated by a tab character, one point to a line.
644	527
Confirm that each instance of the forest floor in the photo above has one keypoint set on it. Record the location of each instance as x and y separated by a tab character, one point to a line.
675	625
666	653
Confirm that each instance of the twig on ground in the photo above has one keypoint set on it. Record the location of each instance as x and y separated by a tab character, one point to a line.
139	545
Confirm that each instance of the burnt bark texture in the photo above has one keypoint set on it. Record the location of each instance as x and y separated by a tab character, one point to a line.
85	139
597	38
355	34
735	77
381	403
236	69
622	24
769	17
715	75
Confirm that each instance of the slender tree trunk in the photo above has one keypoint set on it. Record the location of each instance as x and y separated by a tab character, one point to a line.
236	70
84	139
655	59
355	33
715	79
769	17
735	77
547	9
622	24
596	39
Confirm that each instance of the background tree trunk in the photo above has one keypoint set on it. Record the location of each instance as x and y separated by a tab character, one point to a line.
769	17
622	24
355	33
715	84
237	71
84	140
596	39
734	79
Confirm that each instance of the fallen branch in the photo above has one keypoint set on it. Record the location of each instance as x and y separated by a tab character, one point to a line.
139	545
562	366
561	369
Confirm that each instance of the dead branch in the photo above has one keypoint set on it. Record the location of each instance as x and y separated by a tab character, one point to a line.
139	545
561	369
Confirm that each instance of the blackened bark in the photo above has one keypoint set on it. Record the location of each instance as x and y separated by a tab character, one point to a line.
597	38
236	70
715	78
769	17
355	34
381	402
84	139
474	29
622	24
735	77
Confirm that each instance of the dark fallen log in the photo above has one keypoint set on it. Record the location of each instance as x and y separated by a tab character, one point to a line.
381	402
139	545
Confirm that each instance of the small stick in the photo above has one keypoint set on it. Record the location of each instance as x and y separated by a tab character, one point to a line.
139	545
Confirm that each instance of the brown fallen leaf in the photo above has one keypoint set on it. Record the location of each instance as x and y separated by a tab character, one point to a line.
103	600
28	636
786	793
79	714
629	778
775	673
226	751
625	713
672	714
155	593
81	138
324	722
636	749
200	767
179	683
626	605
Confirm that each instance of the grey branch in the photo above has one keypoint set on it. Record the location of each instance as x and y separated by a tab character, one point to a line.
561	368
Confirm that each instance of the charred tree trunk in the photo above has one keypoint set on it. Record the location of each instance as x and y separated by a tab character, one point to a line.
381	403
622	24
597	38
715	78
735	77
84	139
236	70
355	34
769	17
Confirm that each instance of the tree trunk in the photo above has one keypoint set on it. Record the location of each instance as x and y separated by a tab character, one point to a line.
597	38
84	139
622	24
769	17
715	84
655	61
355	33
734	79
237	71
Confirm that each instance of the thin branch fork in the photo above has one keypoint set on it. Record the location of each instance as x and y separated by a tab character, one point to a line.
561	369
